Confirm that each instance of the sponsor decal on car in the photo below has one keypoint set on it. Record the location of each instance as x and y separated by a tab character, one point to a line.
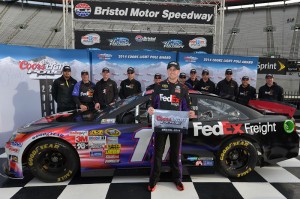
64	177
95	132
113	146
82	145
112	156
14	150
47	134
113	152
112	132
97	142
81	139
96	153
78	133
112	140
112	161
222	128
16	144
260	128
13	158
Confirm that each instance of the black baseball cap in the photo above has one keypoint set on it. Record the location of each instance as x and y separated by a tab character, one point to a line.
84	72
157	76
193	71
175	64
105	70
245	78
66	68
205	71
228	71
269	75
130	69
182	75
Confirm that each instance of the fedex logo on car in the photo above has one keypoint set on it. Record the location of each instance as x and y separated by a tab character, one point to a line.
222	128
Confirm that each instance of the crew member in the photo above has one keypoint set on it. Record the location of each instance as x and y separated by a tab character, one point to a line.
129	86
271	90
106	91
205	84
227	88
157	80
246	91
193	78
182	79
62	90
172	89
83	92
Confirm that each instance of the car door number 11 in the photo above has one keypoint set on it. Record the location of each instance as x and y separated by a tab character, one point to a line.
144	140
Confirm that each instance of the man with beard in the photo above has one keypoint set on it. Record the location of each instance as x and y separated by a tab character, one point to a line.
62	91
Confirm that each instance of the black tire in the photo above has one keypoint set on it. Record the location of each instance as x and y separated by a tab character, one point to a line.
237	158
52	160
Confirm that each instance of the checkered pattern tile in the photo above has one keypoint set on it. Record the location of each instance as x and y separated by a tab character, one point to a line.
275	181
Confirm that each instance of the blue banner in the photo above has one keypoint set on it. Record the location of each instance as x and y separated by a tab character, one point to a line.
217	64
146	64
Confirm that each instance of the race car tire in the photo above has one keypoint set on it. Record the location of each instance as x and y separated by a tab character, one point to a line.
237	158
52	160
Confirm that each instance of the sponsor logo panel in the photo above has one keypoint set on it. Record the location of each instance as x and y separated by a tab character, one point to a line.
113	152
112	140
112	161
197	43
83	9
90	39
112	132
82	145
95	132
78	133
96	153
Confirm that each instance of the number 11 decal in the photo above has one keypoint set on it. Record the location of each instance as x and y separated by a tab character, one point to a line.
144	139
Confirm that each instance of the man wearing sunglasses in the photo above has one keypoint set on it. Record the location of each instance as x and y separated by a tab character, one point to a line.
129	86
246	91
157	80
227	88
205	84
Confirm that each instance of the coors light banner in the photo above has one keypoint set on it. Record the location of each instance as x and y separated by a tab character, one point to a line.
128	11
141	41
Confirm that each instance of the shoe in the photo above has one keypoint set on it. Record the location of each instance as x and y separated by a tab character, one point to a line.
151	187
179	186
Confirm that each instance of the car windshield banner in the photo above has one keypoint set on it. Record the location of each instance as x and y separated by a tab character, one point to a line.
141	41
166	121
272	66
168	13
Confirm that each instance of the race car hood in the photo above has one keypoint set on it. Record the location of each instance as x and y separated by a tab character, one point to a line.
273	107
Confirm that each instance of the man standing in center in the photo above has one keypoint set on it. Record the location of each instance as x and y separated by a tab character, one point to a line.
106	91
193	78
129	86
228	88
178	94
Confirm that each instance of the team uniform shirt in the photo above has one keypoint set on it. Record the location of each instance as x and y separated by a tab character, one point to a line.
129	88
62	93
246	94
227	89
193	83
83	94
275	92
168	96
150	87
106	92
208	86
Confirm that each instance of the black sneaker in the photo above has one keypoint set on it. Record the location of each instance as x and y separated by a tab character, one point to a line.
151	187
179	185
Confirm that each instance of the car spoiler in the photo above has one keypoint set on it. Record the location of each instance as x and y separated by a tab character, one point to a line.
273	107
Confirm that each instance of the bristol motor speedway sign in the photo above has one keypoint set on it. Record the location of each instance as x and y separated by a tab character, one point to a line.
170	13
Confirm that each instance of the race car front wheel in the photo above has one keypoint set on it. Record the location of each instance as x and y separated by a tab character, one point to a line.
52	160
237	158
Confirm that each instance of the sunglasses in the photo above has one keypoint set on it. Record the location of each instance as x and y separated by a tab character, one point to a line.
130	73
228	73
245	79
157	78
